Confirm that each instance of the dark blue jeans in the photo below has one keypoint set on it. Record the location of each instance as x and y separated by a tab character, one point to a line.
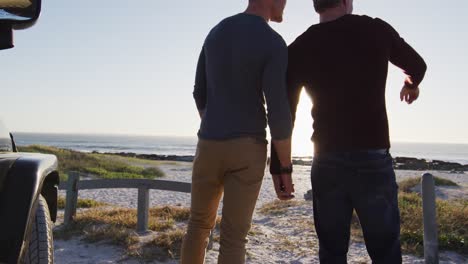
363	181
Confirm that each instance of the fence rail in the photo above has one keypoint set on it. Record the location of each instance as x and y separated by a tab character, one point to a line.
131	184
73	185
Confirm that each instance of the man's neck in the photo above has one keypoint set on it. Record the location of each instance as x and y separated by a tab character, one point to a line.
258	10
332	14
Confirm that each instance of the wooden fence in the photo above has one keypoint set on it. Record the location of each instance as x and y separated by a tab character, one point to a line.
143	185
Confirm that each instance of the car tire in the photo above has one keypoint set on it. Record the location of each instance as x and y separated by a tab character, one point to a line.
41	242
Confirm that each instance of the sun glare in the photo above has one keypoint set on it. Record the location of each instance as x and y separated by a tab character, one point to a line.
301	144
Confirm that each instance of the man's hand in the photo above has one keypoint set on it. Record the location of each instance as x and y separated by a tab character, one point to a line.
284	186
408	94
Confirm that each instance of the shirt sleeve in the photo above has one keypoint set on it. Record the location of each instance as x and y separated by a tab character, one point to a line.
199	92
405	57
295	81
294	87
274	89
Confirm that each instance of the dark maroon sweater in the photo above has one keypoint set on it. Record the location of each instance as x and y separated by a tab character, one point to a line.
343	65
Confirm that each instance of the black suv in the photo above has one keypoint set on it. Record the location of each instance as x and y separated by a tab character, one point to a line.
28	204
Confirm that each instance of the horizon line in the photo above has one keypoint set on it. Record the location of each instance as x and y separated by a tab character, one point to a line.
195	136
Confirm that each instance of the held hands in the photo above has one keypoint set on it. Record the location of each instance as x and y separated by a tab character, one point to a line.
282	179
408	94
284	186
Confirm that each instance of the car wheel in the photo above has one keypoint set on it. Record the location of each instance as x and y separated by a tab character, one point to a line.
41	242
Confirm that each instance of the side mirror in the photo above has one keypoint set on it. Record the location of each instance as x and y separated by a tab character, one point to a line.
16	14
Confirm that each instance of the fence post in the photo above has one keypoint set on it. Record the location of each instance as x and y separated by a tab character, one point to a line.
431	244
72	197
143	210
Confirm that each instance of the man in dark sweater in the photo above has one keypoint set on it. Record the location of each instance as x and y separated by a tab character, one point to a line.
342	62
242	66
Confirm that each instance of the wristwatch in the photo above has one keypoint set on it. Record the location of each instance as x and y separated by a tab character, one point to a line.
287	169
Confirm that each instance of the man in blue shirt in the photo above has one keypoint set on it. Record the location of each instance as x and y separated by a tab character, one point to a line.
242	66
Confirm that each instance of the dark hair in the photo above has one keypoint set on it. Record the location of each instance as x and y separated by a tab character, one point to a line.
322	5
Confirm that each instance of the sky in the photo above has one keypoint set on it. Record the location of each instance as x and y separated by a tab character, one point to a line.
128	67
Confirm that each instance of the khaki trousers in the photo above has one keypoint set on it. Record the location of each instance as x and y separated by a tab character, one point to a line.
235	167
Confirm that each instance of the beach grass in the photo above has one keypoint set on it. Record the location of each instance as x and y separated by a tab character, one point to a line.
127	218
116	226
82	203
99	165
169	243
408	184
444	182
113	234
139	161
278	207
452	219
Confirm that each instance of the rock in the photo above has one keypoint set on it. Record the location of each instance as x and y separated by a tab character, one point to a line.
308	195
404	163
400	163
153	156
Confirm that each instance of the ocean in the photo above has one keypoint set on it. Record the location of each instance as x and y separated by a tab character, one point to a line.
185	146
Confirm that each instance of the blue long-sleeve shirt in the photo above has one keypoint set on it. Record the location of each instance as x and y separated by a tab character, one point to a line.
242	65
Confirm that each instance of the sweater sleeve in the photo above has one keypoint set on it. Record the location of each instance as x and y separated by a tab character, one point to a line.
199	92
294	87
405	57
274	89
